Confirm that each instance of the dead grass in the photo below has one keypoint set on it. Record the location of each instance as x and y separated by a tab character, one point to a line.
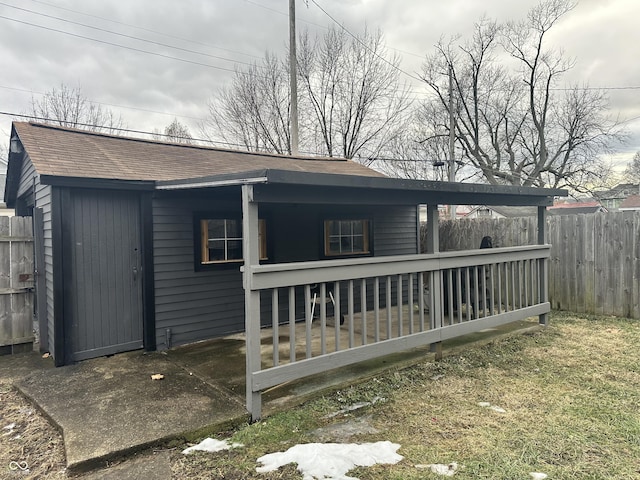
30	448
570	394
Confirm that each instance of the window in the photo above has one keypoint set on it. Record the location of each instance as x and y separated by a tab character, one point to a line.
221	240
346	237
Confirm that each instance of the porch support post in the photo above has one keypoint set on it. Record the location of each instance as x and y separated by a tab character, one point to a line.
433	246
251	255
544	263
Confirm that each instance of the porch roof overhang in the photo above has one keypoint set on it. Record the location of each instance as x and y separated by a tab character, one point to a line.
286	186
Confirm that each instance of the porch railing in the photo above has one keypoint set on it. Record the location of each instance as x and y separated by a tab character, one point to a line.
372	307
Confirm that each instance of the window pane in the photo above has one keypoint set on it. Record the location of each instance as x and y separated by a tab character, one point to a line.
334	245
358	243
357	227
345	227
234	250
333	227
234	229
215	229
346	244
216	250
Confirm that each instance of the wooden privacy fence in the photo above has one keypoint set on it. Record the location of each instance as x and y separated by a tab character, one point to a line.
595	259
16	284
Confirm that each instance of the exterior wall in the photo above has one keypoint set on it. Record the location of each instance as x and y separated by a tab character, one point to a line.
36	195
197	305
43	201
194	305
25	185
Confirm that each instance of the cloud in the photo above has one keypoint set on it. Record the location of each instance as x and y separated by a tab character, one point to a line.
600	34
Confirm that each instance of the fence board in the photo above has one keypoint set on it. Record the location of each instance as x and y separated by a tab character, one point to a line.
595	259
16	284
635	260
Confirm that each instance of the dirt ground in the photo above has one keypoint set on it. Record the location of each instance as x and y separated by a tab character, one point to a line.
30	447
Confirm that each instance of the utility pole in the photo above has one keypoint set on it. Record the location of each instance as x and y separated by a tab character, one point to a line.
452	138
293	78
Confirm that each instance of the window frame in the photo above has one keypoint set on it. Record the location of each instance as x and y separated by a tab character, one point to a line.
367	238
201	239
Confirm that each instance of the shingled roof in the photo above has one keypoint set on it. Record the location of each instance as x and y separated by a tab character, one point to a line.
63	152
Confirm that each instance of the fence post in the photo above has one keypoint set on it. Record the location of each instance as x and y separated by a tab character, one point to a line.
543	276
251	255
433	246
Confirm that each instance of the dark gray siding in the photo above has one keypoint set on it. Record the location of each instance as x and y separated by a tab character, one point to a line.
25	185
37	195
43	201
196	305
395	231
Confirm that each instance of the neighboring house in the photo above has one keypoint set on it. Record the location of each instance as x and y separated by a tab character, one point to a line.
576	208
142	243
612	198
632	202
497	211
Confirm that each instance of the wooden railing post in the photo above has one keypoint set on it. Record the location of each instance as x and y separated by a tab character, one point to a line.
543	263
251	255
433	246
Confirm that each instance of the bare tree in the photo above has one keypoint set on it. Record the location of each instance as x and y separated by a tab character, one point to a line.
253	112
352	92
350	100
68	107
516	126
632	172
175	132
418	151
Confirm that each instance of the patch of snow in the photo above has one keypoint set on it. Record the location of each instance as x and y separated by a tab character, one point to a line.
448	470
538	475
212	445
331	461
484	404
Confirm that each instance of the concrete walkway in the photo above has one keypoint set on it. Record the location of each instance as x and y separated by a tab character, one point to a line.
110	407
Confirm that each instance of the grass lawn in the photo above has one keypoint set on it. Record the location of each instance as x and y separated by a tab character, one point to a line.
570	394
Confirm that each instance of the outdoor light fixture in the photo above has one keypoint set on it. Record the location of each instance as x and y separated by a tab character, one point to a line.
15	146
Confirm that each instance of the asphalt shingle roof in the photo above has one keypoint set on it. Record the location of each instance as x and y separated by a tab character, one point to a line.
66	152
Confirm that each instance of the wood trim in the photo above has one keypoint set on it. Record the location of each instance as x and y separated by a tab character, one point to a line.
58	260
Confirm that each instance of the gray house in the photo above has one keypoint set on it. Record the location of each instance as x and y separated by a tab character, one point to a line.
142	244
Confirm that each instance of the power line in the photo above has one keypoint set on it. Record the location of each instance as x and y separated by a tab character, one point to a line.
120	46
143	29
124	35
363	44
109	104
114	129
284	14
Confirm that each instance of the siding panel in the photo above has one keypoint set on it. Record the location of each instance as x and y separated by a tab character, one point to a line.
197	305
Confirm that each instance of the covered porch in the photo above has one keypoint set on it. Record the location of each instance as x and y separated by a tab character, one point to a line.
359	309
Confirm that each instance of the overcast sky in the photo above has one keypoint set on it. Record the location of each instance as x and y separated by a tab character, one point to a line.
149	90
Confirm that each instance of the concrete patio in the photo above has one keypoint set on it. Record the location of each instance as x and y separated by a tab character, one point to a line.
110	407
